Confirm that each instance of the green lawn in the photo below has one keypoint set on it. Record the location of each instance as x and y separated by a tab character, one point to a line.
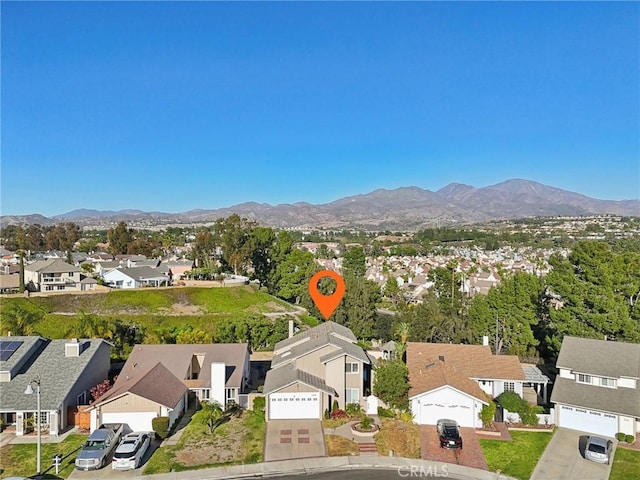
241	440
517	458
20	459
626	464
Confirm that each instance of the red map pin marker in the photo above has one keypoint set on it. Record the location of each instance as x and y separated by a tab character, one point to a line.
326	303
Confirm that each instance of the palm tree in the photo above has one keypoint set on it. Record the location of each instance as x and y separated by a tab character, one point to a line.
212	415
19	320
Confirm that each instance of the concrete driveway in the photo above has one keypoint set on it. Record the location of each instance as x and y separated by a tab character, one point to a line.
563	459
289	439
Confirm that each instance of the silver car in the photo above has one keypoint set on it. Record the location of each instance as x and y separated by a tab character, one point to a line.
598	449
129	453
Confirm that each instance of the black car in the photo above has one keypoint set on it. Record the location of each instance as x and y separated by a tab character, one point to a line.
449	434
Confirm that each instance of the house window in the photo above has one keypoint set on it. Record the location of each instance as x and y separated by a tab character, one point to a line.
230	395
352	367
204	394
352	395
509	387
82	398
582	378
48	287
608	382
60	287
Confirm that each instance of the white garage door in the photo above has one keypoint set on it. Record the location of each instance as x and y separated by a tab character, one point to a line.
462	414
134	422
588	421
294	405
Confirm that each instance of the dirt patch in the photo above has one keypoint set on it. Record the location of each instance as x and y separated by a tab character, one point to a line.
222	447
181	309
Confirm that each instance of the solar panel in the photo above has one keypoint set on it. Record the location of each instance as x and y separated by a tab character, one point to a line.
7	348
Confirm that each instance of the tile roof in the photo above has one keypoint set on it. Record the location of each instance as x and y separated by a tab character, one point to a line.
475	361
177	359
58	373
157	384
600	357
326	328
615	400
279	378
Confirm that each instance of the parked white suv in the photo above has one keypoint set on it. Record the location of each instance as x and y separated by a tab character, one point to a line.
129	453
598	450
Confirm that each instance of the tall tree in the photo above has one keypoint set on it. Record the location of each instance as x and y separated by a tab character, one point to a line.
20	320
119	238
354	262
261	241
232	235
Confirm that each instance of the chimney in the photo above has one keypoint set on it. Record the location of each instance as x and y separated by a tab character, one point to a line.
72	348
441	358
485	340
290	328
218	381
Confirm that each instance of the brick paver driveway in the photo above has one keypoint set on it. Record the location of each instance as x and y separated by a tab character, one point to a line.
470	455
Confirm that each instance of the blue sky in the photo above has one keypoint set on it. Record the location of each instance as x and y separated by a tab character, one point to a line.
167	106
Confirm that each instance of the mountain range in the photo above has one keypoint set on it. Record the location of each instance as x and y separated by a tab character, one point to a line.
405	208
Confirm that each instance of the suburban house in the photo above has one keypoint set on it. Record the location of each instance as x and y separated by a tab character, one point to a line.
135	277
66	369
597	388
455	381
55	275
156	379
315	367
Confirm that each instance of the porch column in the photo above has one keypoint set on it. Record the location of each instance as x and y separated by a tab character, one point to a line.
19	423
54	423
544	392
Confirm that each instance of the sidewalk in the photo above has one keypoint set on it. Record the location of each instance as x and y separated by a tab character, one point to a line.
10	437
179	430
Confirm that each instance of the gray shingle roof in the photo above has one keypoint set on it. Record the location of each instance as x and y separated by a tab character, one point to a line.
53	265
614	400
328	333
142	273
325	328
289	374
534	374
600	357
57	373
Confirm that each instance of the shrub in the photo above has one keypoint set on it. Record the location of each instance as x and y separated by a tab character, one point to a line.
353	409
259	404
335	405
528	415
629	438
510	401
338	414
385	412
405	416
160	426
366	423
488	413
620	436
326	414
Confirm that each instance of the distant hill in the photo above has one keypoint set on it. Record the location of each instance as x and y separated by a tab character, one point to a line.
405	208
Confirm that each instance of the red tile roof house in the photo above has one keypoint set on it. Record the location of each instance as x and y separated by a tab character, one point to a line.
453	381
156	379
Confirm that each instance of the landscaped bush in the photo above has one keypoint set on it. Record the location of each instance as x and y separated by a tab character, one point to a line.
629	438
620	436
338	414
488	413
366	423
160	426
353	409
326	414
385	413
259	404
513	402
335	405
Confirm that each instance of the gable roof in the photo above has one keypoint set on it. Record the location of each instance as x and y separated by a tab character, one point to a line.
287	375
600	357
138	273
58	373
474	361
326	328
177	359
437	374
157	384
328	333
53	265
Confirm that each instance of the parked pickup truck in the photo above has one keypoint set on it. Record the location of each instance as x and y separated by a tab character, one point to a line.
97	449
